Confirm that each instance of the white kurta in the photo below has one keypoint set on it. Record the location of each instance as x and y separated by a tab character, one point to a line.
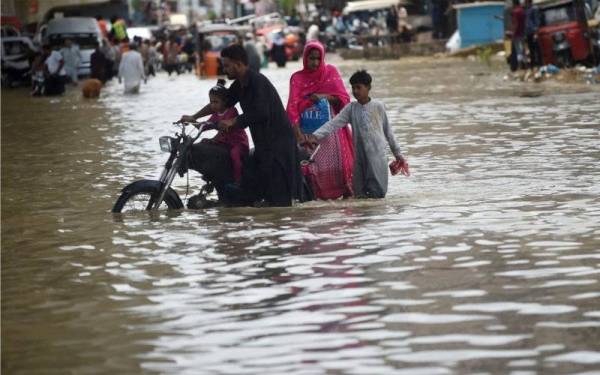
370	133
72	57
131	70
53	62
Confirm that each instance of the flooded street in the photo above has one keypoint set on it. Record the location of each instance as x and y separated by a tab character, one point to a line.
486	260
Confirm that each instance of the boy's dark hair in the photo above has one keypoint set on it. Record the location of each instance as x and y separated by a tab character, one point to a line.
361	77
235	52
220	90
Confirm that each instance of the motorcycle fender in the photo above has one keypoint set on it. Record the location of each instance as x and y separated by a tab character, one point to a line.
153	184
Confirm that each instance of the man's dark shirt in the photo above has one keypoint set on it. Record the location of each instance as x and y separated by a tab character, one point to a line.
274	142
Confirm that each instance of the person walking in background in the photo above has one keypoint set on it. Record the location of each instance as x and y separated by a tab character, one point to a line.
532	24
145	52
170	52
98	64
154	58
312	33
72	57
391	21
131	70
37	75
111	56
118	29
438	11
263	52
54	72
278	50
254	58
517	16
103	25
370	132
320	82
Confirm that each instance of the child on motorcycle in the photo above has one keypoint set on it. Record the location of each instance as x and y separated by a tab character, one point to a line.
235	139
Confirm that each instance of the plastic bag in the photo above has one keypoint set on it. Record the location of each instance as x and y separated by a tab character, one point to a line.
313	117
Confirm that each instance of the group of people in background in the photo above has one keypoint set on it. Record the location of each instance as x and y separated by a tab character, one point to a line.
130	60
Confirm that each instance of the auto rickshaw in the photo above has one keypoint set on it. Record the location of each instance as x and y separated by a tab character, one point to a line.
564	37
213	38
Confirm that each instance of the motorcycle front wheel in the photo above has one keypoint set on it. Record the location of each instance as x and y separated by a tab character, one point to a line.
135	197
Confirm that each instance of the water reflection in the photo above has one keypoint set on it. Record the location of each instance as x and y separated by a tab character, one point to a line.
485	260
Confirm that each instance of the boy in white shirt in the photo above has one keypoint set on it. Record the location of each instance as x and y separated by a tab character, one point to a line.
370	132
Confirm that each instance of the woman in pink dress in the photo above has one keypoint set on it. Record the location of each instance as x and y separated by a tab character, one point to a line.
331	172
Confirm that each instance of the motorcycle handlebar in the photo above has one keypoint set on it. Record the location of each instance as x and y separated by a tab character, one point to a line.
194	123
185	123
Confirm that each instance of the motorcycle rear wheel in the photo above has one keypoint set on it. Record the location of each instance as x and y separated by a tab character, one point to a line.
136	199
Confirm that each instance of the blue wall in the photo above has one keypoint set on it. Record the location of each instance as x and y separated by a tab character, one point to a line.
480	24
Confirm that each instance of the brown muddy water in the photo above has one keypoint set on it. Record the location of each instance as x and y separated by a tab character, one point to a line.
485	261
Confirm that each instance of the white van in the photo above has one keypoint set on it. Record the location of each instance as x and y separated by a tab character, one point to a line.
83	31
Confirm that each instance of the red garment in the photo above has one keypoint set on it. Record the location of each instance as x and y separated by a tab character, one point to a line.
518	22
331	173
235	139
103	27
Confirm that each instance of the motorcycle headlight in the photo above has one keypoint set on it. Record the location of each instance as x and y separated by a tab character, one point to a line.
166	143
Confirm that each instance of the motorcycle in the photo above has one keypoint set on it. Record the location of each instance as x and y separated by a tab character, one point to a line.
156	194
152	194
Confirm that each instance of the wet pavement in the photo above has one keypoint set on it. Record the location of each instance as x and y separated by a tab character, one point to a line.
484	261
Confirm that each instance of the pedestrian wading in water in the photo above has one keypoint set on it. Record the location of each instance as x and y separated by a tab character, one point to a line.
370	132
319	84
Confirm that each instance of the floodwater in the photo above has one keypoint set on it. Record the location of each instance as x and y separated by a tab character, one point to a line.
485	261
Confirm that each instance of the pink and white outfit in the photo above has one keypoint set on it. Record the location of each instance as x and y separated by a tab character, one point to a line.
332	169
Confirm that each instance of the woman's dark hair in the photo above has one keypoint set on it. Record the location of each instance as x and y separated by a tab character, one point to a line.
220	91
361	77
235	52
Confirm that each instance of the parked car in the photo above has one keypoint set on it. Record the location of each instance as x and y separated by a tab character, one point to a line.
17	54
83	31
